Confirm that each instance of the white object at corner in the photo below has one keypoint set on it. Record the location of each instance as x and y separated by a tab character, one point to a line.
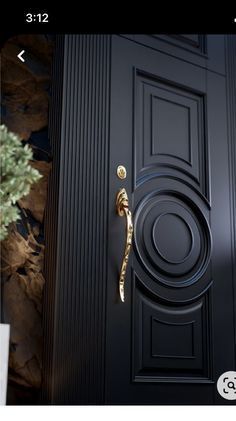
4	351
226	385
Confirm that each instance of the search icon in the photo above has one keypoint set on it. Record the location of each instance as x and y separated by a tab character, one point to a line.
231	385
226	385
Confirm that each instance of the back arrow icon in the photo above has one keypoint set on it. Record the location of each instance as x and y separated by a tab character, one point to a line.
20	55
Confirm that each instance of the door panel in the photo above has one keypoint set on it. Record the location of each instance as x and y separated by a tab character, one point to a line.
168	128
207	51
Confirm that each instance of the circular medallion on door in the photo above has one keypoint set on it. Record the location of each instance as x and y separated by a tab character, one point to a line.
172	238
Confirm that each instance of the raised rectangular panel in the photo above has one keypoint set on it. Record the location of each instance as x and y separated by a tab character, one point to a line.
206	51
170	342
195	43
169	131
192	48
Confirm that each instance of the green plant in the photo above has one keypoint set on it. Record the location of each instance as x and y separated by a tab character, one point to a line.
16	176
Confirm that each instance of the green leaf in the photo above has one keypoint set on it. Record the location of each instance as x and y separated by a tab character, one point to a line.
16	176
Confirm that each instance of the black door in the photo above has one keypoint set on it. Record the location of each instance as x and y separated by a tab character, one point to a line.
164	108
173	336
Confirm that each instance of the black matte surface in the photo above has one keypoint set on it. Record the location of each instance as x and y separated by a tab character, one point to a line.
174	335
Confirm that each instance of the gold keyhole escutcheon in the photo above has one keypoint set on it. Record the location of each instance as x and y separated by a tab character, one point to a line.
121	172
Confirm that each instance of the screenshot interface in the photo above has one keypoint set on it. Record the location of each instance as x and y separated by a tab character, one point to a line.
118	238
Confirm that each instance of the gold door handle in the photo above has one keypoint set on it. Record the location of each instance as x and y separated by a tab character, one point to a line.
122	207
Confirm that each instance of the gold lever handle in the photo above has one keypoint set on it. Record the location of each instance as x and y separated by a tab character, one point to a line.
122	207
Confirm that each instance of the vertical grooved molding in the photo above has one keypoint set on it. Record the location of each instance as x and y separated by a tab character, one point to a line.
52	220
76	223
231	111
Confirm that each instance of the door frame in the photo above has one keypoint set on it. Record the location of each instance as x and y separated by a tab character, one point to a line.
76	220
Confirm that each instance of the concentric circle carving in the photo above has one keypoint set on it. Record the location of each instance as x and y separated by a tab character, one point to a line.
172	238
